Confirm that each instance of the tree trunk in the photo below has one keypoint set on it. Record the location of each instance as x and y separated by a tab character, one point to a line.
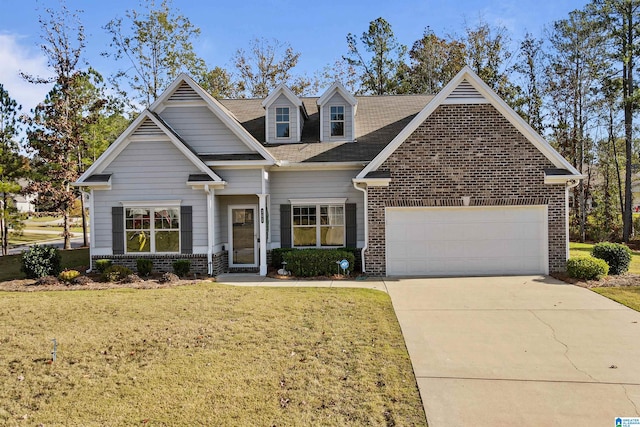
4	235
627	76
66	234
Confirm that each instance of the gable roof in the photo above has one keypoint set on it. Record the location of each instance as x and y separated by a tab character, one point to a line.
216	108
337	87
467	87
281	89
151	123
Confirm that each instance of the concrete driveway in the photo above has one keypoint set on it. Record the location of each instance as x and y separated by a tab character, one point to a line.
519	351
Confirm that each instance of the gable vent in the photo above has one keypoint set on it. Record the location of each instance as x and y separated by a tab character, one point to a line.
148	128
465	93
185	93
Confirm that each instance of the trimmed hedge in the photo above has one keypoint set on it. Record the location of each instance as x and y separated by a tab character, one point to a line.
277	256
116	273
144	266
103	264
316	262
39	261
181	267
587	268
616	255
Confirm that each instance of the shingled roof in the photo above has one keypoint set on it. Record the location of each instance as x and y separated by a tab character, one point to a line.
378	121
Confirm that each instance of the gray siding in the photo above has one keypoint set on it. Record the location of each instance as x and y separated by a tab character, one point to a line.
337	100
240	181
203	131
283	101
146	171
311	185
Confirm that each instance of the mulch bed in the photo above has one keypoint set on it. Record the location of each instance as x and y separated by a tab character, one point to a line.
606	282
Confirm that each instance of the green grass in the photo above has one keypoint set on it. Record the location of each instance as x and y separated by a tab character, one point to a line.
584	249
25	238
10	264
206	354
629	296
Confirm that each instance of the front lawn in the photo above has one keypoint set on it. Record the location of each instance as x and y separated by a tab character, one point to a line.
629	296
584	249
205	354
72	258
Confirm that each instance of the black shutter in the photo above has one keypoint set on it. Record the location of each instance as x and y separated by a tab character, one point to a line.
117	230
285	226
351	225
186	229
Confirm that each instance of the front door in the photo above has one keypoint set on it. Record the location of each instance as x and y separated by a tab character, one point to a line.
243	232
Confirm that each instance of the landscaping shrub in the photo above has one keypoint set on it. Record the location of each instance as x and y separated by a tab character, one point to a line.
145	266
277	256
40	261
116	273
103	264
616	255
587	268
316	262
181	267
68	275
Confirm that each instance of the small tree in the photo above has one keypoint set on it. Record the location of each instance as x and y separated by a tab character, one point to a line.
158	45
380	60
13	166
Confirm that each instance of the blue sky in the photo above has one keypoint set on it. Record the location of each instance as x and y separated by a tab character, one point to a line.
317	29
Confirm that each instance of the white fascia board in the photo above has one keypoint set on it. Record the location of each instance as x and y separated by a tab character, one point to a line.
200	185
281	88
319	200
238	164
216	108
562	179
320	166
373	182
150	203
466	73
337	87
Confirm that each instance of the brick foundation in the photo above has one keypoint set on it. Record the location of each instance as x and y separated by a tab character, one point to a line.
164	263
466	150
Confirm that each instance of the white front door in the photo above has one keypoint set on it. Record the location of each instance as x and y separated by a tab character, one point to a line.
243	236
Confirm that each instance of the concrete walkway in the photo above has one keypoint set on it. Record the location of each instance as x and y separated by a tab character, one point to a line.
519	351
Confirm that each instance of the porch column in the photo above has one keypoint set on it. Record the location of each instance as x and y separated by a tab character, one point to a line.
210	228
262	218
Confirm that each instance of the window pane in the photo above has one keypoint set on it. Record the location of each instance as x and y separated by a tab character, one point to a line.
138	241
337	128
304	215
137	219
304	236
337	113
282	114
166	219
282	130
332	236
167	241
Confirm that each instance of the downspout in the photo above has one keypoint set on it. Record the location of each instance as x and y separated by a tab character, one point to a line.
569	185
92	231
210	235
366	222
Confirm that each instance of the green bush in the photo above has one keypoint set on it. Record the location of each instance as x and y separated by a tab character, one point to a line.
616	255
144	266
316	262
103	264
115	273
587	268
181	267
277	256
39	261
68	275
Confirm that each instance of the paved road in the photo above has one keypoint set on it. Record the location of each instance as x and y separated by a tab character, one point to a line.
76	242
519	351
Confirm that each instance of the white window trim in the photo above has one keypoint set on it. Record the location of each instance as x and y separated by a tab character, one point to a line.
151	203
152	226
343	121
288	122
317	203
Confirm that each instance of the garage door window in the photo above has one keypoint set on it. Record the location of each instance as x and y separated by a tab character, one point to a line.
318	225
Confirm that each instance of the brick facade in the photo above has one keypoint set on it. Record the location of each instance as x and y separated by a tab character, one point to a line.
164	263
466	150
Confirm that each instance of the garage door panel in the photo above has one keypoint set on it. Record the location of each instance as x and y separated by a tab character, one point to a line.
466	240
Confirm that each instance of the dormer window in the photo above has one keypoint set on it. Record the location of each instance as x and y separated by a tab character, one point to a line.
337	120
282	122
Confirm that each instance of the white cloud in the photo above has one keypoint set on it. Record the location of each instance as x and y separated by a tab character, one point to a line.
16	58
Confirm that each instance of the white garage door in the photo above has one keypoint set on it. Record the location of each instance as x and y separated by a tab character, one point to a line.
466	241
